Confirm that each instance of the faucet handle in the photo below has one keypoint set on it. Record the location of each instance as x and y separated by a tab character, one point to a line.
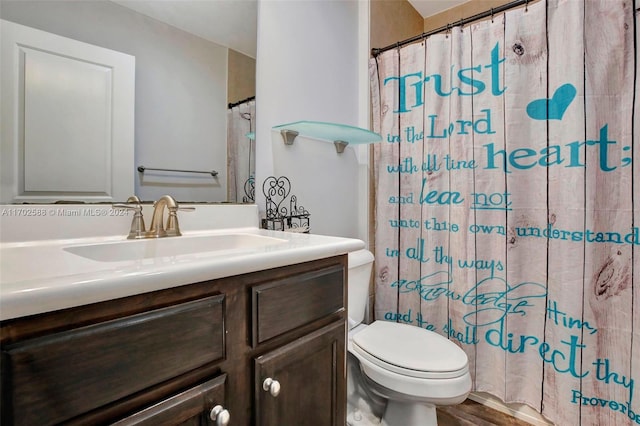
138	229
127	206
172	228
132	203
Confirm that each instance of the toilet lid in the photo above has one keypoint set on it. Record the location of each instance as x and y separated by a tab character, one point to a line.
411	350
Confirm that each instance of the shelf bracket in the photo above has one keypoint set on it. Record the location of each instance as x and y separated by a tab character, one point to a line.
288	136
340	146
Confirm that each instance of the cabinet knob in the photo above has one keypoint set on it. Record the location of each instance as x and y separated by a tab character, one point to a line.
272	386
219	415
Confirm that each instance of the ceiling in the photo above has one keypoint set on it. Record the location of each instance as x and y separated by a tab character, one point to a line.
428	8
233	23
230	23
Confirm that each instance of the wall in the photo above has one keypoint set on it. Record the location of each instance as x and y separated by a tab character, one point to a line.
241	82
393	20
308	69
181	90
313	65
465	10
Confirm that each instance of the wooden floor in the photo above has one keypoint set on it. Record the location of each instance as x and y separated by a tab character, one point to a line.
470	413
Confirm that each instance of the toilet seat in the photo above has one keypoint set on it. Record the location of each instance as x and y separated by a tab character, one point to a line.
410	351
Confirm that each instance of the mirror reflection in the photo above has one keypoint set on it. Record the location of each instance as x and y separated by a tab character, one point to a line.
194	86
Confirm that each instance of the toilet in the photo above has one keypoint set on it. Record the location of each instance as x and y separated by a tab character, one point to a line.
413	369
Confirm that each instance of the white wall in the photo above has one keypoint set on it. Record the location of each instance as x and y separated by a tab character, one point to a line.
181	90
308	69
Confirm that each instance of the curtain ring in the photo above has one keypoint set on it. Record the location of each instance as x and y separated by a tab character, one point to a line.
492	15
526	6
461	23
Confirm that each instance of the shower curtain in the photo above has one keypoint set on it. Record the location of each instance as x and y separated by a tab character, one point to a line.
241	152
508	202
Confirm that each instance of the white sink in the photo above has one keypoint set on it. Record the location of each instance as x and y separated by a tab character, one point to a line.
170	247
87	259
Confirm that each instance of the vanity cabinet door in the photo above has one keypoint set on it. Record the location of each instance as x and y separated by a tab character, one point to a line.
191	407
54	378
307	380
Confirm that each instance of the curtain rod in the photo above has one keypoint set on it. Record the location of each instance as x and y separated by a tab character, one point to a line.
486	14
250	98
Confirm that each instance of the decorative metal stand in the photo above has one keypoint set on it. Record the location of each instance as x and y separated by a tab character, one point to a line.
249	190
278	216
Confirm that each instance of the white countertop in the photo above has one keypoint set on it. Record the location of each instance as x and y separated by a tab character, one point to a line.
39	276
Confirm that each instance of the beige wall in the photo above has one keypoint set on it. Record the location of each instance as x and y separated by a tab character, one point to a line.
392	21
241	80
465	10
397	20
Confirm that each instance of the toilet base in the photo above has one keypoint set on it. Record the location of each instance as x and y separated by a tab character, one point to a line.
401	413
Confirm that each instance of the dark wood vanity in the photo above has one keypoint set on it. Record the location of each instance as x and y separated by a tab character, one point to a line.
268	347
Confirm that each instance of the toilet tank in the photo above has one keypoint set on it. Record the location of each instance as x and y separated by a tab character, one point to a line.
360	263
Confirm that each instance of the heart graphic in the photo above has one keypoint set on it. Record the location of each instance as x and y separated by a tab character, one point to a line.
554	108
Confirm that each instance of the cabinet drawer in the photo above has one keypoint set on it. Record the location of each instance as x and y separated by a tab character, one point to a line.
283	305
189	407
62	375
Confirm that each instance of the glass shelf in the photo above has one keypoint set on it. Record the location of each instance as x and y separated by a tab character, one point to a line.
340	134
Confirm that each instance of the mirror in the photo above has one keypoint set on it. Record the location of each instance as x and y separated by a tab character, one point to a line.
193	59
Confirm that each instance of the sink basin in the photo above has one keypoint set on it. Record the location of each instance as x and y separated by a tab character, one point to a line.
170	247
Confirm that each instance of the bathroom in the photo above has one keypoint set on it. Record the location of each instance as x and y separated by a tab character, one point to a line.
313	64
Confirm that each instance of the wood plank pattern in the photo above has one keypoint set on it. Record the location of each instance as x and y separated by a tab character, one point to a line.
635	350
566	211
435	274
526	264
608	292
491	245
411	256
387	184
462	244
545	264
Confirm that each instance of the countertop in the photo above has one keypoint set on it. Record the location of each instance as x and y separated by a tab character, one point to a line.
39	276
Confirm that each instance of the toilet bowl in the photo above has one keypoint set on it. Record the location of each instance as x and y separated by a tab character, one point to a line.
412	368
